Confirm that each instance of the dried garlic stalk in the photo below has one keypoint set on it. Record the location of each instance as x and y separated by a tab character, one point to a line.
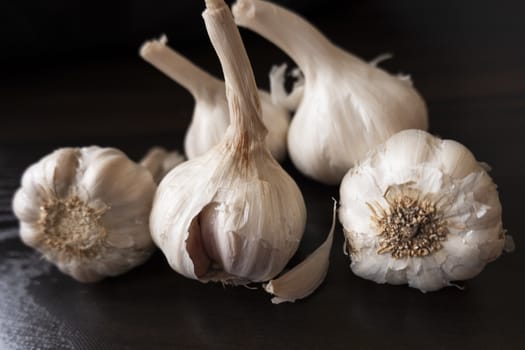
210	116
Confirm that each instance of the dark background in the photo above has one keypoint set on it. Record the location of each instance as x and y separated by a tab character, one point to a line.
70	76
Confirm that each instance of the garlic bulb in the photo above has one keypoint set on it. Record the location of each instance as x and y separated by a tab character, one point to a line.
210	116
159	162
232	214
348	105
87	209
422	211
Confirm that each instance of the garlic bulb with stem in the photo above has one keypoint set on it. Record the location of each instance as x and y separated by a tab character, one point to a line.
348	105
87	210
210	116
233	214
422	211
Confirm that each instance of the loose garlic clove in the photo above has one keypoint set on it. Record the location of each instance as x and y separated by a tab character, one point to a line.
210	116
232	214
87	211
422	211
305	278
348	106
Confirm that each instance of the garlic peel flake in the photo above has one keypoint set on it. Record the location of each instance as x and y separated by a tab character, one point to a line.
307	276
420	211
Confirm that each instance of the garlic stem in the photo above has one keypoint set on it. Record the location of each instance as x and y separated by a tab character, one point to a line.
241	90
195	80
299	39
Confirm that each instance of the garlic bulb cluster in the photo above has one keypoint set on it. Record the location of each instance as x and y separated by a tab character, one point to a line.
348	106
422	211
210	116
232	214
87	210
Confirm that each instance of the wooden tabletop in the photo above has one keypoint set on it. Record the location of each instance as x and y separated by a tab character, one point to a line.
466	59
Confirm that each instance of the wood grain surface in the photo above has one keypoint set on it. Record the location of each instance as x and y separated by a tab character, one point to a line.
467	60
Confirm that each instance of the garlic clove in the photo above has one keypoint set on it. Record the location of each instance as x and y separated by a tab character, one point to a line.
348	106
211	117
305	278
425	219
86	210
159	162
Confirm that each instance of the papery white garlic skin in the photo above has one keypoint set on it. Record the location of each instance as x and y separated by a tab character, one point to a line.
232	214
210	115
87	211
213	223
414	164
306	277
348	106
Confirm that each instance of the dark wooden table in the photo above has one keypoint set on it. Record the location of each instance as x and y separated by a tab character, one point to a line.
467	59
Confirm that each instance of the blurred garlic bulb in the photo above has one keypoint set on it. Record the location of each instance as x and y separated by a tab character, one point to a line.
87	209
232	214
348	105
422	211
159	162
210	116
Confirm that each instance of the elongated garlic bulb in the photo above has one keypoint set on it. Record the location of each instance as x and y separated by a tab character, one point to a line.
210	116
87	210
422	211
232	214
348	105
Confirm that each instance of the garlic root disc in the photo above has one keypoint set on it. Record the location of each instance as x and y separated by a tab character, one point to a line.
232	214
210	116
422	211
348	106
86	210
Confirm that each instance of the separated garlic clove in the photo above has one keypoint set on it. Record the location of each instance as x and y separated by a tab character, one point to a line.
422	211
348	106
232	214
305	278
87	211
210	116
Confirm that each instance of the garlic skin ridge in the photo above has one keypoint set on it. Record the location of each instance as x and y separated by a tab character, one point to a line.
87	211
232	214
348	106
210	116
454	196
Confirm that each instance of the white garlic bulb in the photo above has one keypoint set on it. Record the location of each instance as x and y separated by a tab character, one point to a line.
422	211
210	116
87	210
232	214
348	106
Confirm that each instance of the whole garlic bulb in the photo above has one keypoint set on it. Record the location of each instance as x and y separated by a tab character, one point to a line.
87	211
348	105
232	214
422	211
210	116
